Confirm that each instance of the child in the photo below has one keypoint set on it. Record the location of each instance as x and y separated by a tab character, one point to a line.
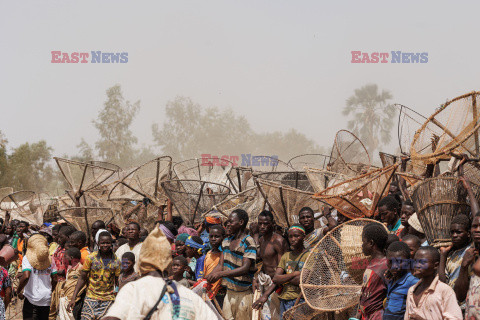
101	270
399	281
451	257
57	258
413	242
289	268
194	249
180	244
128	274
212	258
430	298
179	265
78	239
374	240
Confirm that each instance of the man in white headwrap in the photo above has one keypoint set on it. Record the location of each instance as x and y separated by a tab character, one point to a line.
151	297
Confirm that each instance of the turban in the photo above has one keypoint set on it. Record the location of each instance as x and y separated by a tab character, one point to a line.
193	244
166	232
182	237
190	231
213	220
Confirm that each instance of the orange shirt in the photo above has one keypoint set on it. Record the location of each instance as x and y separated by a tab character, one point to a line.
84	251
211	261
20	253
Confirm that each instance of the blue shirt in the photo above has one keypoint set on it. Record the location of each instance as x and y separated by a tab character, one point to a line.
396	302
199	267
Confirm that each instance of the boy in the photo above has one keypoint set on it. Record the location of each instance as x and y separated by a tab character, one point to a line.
289	268
180	244
179	264
212	258
374	240
101	270
128	274
78	239
413	242
430	298
194	250
406	212
57	258
399	281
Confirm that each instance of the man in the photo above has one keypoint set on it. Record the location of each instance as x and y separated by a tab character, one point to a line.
238	262
306	217
165	300
78	239
389	212
134	245
272	247
406	212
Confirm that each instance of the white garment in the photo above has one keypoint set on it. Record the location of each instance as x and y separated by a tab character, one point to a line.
126	248
63	314
39	286
136	299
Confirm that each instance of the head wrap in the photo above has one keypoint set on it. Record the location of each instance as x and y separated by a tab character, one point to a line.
155	254
98	234
189	231
166	232
193	244
210	221
297	228
182	237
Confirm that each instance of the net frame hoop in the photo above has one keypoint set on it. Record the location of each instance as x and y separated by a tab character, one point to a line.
336	146
310	256
215	206
443	152
9	196
399	131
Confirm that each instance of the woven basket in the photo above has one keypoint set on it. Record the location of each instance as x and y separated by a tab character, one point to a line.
286	202
20	205
332	276
321	179
302	311
437	201
358	197
349	156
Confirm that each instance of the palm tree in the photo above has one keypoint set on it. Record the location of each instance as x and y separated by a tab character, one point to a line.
372	116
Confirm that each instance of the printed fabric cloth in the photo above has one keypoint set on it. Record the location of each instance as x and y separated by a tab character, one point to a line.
373	290
472	311
233	259
313	238
58	259
101	279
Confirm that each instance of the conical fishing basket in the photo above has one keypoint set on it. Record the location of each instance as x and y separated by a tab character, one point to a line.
302	311
286	202
294	179
192	198
349	156
240	179
249	200
18	204
471	171
453	128
437	201
312	160
82	218
388	159
144	182
358	197
321	179
203	169
331	278
83	176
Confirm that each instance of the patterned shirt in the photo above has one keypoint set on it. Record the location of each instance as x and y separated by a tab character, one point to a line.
454	262
5	281
473	299
313	238
58	259
374	290
101	279
396	229
233	259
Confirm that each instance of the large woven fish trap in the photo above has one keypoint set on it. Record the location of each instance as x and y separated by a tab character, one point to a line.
19	205
437	201
471	171
453	128
358	197
294	179
192	198
83	176
309	160
249	200
321	179
82	218
302	311
286	202
144	182
349	156
203	169
331	278
240	179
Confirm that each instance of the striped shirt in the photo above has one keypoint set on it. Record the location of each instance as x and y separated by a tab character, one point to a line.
233	259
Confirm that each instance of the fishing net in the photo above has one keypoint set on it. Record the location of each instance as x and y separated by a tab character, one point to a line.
388	159
82	218
332	276
241	178
18	205
144	182
294	179
286	202
349	156
192	198
321	179
203	169
249	200
83	176
437	201
302	311
453	128
303	161
409	121
5	192
358	197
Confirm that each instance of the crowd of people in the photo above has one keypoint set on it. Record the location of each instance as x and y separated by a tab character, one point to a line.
235	268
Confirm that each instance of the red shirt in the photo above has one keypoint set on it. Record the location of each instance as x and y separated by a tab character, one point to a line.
374	290
58	259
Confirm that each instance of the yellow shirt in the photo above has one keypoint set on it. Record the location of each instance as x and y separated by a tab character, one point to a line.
101	278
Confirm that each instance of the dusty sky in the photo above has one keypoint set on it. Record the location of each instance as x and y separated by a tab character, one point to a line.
282	64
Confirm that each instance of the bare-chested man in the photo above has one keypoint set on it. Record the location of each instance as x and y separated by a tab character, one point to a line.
272	247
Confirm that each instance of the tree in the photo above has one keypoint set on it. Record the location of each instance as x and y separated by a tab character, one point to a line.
372	116
116	143
3	160
190	131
